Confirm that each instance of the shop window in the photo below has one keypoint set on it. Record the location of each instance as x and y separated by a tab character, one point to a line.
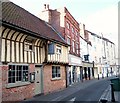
55	72
17	73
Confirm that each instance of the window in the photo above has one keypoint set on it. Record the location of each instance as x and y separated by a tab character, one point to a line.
94	47
68	40
77	48
55	71
58	49
73	30
68	25
76	33
17	73
51	48
28	45
106	43
73	46
111	45
99	60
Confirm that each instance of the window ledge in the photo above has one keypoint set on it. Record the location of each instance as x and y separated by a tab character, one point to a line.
18	84
56	78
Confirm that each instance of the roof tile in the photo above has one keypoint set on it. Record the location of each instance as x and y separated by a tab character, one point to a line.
15	15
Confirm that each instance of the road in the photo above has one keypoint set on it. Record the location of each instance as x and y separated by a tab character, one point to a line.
91	93
89	90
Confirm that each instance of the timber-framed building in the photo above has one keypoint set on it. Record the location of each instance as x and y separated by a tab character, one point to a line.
33	55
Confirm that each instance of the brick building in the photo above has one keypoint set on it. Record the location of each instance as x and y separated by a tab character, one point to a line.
64	22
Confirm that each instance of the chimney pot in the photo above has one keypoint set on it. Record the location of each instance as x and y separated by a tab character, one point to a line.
44	6
48	6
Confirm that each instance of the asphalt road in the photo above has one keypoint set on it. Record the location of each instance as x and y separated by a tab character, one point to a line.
92	93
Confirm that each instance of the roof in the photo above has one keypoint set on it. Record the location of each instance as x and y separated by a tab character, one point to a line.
88	42
105	39
18	17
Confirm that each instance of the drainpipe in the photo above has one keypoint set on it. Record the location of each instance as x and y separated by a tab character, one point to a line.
66	73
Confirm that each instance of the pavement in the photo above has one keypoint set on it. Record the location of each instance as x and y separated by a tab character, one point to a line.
107	95
59	95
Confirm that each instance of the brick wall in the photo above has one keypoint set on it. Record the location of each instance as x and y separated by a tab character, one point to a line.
53	85
16	93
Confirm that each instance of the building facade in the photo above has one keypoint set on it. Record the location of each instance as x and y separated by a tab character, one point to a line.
64	22
29	62
103	55
86	54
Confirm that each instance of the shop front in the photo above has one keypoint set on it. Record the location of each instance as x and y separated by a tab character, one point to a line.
74	70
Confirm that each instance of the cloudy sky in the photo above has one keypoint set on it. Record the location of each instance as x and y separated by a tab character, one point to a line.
99	16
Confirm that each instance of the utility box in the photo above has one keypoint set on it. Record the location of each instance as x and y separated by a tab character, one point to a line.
116	83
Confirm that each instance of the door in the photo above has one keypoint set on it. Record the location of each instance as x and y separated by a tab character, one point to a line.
38	82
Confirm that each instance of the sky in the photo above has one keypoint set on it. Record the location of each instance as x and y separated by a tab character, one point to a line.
99	16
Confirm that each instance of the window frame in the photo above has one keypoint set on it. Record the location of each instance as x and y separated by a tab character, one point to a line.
68	40
68	25
73	46
21	82
77	47
28	44
56	72
73	30
58	49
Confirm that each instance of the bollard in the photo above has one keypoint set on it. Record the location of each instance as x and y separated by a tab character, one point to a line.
112	93
102	76
98	76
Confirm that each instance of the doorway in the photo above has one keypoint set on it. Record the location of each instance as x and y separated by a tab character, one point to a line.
38	80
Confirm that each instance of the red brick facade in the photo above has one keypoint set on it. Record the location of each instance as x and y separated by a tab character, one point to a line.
59	18
53	85
15	93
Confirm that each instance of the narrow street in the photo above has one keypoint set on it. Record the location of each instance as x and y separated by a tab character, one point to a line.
91	93
89	90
